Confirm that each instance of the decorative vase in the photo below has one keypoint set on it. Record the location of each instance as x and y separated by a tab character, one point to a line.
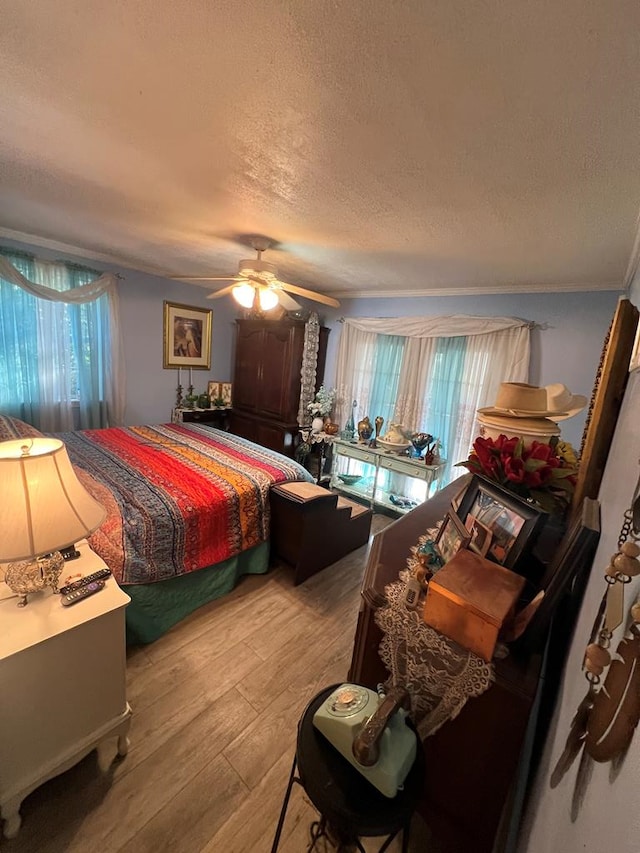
420	440
330	428
378	422
204	401
365	429
317	424
350	427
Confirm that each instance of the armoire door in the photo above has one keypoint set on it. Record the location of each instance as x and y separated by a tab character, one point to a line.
248	366
279	387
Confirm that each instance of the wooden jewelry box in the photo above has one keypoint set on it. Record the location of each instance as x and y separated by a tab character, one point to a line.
470	599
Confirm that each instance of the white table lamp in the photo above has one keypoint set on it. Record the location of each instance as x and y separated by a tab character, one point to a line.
44	507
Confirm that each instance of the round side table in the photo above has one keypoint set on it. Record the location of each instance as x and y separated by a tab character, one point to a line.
350	807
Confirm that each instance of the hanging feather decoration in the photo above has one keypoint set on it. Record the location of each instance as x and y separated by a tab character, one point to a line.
616	707
575	740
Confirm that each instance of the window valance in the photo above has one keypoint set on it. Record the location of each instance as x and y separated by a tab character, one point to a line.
452	326
105	285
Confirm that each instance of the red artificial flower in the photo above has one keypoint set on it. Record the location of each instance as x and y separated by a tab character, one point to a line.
536	472
514	469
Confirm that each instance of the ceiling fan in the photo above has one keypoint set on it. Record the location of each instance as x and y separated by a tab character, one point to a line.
257	286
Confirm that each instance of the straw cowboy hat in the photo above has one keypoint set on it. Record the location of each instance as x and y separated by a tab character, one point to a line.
559	397
519	400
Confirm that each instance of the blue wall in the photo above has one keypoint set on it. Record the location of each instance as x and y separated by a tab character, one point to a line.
151	390
566	349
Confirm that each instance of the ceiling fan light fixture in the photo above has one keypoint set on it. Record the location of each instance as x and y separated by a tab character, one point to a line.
268	298
244	294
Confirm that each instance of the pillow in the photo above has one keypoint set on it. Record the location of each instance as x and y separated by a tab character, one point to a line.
13	428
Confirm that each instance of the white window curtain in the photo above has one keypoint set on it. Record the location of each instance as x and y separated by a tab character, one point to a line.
450	367
100	376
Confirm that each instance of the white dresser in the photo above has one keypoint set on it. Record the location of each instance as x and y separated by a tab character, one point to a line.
62	683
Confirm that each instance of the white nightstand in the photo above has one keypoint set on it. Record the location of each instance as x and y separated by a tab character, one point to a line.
62	671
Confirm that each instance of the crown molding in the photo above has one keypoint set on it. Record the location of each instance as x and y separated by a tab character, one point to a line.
79	252
465	290
484	290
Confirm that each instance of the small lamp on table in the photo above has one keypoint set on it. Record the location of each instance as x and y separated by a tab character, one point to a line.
45	508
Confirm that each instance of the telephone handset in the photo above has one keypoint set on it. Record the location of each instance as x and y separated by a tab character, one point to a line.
371	732
366	746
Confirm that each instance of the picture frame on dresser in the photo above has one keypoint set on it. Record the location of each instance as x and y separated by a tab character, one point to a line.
452	537
514	523
186	336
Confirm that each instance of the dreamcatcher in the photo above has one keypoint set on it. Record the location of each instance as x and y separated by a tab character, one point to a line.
605	721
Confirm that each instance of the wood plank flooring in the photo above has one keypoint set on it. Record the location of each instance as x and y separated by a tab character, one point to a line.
216	703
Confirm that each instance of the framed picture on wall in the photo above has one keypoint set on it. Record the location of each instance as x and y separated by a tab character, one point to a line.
187	336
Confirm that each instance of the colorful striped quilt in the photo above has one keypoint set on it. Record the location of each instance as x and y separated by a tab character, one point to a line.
178	496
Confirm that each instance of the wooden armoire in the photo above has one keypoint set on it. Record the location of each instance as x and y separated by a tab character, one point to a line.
266	382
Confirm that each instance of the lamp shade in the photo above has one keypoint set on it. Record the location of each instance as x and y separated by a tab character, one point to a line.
43	505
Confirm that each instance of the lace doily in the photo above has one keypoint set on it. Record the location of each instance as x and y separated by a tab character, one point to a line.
439	674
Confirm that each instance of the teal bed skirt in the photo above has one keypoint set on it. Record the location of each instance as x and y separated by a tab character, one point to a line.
157	607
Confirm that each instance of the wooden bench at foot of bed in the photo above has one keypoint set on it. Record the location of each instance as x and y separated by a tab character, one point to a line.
312	528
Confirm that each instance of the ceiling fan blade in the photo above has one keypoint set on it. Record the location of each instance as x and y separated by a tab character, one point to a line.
223	292
309	294
288	302
207	278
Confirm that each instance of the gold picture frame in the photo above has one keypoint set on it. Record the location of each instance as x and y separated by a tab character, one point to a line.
219	391
187	336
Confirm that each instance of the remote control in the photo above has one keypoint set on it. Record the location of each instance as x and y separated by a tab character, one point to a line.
94	576
82	592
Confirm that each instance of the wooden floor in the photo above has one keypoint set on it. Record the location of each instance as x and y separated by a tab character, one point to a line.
215	706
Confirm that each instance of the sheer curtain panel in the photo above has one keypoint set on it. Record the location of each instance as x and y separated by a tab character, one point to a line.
61	360
434	382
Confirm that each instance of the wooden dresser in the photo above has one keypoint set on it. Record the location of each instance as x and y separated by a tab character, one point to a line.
471	761
266	383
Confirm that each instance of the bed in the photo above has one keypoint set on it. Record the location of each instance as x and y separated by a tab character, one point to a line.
187	512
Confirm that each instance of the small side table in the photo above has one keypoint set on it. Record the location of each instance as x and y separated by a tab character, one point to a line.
217	416
318	444
63	671
347	802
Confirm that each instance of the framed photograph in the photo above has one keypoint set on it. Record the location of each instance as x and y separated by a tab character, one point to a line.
187	336
513	523
225	392
213	390
481	535
452	536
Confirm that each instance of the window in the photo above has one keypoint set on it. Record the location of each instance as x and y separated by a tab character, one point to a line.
430	380
54	355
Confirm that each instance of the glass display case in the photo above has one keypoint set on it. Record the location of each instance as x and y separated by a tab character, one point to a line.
382	478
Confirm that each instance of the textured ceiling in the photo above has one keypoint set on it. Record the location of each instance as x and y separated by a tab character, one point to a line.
407	147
